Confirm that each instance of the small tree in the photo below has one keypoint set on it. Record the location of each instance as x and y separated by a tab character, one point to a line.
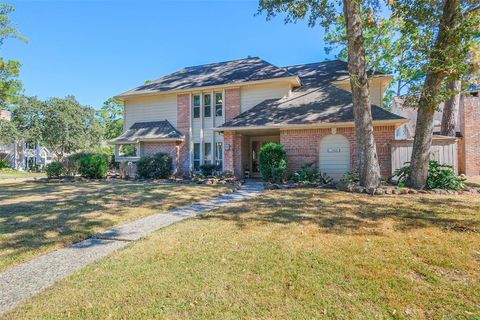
325	12
273	162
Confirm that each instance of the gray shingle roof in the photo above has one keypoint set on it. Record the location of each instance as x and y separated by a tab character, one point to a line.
317	101
155	130
221	73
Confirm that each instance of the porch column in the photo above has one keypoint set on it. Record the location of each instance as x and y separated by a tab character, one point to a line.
233	153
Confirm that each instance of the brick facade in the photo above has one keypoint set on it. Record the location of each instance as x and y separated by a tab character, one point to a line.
232	103
183	125
303	146
469	144
171	148
233	157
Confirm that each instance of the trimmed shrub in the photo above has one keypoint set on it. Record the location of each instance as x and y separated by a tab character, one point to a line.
4	164
440	176
208	169
93	166
157	166
72	162
307	173
55	169
273	162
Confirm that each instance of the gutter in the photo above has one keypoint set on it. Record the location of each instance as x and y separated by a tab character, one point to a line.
309	126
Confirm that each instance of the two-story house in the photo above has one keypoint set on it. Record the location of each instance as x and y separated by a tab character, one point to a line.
224	112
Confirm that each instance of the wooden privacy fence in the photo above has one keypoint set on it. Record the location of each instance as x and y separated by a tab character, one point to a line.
444	150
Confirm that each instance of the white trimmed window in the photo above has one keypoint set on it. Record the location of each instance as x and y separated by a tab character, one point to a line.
207	105
196	156
207	153
218	104
196	106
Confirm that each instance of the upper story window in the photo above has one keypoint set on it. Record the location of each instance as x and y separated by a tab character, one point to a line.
218	104
207	105
196	106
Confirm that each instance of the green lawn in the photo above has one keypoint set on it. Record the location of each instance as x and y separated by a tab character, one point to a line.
14	174
39	217
298	254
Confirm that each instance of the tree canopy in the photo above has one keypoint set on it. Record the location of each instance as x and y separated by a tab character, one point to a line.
110	117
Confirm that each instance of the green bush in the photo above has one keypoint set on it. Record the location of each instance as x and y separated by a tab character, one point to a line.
93	166
351	177
307	173
440	176
273	162
4	164
55	169
157	166
72	162
207	169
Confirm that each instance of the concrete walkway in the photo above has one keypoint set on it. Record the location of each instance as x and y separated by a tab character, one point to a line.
28	279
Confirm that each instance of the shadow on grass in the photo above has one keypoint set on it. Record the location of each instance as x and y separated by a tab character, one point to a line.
344	213
35	215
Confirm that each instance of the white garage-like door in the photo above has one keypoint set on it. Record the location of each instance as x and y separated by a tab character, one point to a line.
335	156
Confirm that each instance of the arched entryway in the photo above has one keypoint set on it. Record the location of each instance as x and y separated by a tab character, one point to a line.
334	157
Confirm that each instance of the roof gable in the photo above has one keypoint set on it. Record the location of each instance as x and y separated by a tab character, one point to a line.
221	73
153	130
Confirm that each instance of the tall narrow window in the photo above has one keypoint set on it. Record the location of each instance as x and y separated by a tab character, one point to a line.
207	153
196	156
219	155
207	105
218	104
196	106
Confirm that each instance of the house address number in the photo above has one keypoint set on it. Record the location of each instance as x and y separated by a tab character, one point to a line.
334	150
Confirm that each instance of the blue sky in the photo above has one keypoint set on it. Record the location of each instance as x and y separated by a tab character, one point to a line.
96	49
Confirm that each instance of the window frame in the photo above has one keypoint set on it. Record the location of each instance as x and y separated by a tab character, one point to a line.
196	161
197	108
207	107
219	106
207	159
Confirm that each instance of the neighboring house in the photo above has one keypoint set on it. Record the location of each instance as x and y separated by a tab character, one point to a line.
461	151
224	112
22	155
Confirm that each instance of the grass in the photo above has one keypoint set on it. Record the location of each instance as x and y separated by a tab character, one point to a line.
305	254
14	174
38	217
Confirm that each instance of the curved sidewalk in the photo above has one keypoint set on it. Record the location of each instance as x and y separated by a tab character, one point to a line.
28	279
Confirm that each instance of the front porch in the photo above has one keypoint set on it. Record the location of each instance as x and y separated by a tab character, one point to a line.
242	148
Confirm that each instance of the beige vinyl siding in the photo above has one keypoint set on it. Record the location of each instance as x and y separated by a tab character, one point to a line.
334	156
253	95
376	89
376	93
144	109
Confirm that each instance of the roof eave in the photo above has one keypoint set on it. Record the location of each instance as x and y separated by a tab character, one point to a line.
287	126
146	140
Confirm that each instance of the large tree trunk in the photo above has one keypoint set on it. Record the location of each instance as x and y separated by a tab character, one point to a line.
368	167
450	110
428	101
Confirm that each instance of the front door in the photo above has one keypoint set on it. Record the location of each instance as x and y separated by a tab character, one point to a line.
256	146
256	143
